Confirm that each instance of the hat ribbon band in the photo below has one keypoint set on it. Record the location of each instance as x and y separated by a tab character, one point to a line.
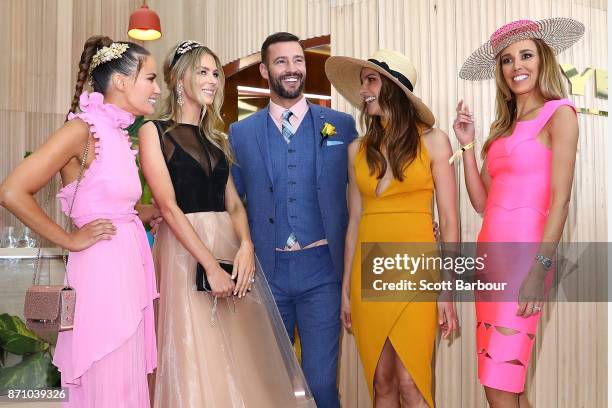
398	75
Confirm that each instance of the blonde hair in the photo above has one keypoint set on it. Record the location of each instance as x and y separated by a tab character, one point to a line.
552	85
210	118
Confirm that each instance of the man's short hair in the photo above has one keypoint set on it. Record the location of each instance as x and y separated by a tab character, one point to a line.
276	38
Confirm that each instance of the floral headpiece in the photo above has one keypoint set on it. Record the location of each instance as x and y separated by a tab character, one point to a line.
106	54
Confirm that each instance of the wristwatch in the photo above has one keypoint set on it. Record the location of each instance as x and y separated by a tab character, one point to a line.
547	262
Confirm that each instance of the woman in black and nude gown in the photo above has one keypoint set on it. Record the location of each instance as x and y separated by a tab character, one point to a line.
226	348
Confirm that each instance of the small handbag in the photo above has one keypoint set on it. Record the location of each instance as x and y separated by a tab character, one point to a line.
49	308
202	284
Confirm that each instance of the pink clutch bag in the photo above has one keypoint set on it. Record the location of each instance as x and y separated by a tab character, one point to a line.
51	307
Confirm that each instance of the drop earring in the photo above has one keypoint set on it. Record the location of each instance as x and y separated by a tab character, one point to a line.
179	94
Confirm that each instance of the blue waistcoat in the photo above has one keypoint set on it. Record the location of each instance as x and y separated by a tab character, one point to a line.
294	172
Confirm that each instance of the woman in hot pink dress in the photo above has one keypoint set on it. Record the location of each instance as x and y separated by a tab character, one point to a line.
105	359
523	189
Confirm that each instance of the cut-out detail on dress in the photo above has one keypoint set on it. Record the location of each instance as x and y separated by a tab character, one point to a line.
504	347
506	331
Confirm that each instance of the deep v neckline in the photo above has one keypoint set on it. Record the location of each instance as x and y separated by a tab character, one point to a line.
379	195
382	192
376	194
209	160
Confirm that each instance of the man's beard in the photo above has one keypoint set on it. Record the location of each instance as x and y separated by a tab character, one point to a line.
279	89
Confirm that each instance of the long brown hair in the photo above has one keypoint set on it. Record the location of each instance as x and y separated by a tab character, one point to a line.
130	62
210	119
400	137
552	85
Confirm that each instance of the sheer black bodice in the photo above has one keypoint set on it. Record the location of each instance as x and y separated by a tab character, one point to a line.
198	169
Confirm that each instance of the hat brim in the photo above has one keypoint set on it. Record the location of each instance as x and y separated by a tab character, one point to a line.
558	33
344	73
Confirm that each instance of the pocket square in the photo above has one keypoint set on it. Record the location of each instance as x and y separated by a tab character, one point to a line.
334	142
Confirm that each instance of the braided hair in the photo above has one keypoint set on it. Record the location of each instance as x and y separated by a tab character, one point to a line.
130	62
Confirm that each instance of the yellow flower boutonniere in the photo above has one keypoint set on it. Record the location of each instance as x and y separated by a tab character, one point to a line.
327	131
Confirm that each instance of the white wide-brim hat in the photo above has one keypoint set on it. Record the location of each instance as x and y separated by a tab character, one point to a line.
558	33
345	75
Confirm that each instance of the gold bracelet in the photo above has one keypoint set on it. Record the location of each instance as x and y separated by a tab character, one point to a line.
460	151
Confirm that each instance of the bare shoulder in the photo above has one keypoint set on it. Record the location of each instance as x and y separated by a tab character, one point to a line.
563	127
353	148
435	135
563	116
76	128
437	143
71	136
76	124
147	129
65	143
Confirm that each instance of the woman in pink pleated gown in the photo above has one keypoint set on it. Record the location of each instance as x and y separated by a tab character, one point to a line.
105	359
523	190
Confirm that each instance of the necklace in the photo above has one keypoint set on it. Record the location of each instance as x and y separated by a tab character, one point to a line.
528	112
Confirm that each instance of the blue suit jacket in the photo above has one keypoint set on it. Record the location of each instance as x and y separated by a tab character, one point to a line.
253	177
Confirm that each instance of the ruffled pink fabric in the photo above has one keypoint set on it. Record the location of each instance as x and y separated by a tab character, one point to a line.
113	121
114	279
94	103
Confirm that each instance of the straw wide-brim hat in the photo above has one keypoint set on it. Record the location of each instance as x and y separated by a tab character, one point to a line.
558	33
345	75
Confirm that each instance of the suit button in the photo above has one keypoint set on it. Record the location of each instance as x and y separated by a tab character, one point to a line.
271	189
291	166
291	150
271	220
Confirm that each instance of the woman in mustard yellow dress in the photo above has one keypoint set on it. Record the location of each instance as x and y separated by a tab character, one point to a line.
393	172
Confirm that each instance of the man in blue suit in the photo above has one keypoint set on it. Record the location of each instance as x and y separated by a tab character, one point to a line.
291	166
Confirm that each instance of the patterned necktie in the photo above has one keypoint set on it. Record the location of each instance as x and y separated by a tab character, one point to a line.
287	129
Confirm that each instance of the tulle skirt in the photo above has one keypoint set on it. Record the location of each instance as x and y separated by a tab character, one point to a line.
236	354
